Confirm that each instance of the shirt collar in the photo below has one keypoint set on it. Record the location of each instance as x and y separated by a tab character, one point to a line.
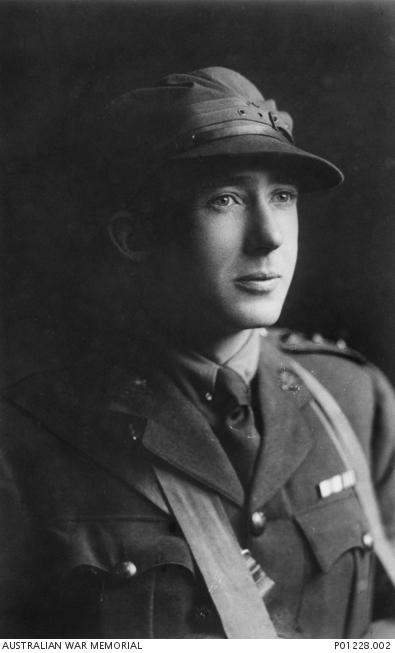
196	375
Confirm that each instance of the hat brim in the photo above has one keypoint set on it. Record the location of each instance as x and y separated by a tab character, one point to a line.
308	171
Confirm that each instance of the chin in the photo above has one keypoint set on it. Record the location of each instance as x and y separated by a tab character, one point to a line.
262	313
255	319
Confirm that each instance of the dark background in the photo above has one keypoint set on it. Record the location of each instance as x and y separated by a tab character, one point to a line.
331	65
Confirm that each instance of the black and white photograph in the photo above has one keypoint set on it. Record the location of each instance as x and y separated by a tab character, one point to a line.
197	421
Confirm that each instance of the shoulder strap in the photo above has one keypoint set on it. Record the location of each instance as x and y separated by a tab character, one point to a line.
346	442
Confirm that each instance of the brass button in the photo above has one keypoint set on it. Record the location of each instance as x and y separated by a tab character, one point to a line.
367	541
208	396
125	569
139	382
257	523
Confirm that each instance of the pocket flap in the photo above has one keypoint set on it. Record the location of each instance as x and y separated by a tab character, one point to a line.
333	527
105	544
162	550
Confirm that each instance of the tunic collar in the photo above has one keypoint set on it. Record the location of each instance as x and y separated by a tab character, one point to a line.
196	375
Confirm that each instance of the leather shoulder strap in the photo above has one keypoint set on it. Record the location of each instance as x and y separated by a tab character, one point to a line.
346	442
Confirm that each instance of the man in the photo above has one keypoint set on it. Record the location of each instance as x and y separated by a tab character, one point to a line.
191	481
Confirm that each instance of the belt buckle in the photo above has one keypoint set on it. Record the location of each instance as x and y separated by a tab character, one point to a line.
262	581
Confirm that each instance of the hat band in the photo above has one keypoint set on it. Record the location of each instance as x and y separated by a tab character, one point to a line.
232	128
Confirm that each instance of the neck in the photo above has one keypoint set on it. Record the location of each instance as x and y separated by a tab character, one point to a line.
219	348
214	345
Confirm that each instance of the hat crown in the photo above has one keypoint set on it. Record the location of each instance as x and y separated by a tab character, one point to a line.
183	101
213	83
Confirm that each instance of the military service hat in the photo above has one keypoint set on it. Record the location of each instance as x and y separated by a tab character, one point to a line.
209	112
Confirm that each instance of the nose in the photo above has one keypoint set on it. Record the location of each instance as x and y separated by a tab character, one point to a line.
264	232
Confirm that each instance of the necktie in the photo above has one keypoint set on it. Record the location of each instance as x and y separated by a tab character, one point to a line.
235	427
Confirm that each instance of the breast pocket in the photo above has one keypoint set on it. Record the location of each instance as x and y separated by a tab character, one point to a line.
122	577
336	596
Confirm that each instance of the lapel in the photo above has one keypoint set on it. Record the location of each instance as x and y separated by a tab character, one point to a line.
179	434
99	411
287	437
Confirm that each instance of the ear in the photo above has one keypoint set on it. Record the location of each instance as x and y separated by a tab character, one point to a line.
125	233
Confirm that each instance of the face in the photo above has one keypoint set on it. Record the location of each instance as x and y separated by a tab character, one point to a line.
232	262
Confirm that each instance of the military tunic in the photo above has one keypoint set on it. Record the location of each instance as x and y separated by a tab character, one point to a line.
85	555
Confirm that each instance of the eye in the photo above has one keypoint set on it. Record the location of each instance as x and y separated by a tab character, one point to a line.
224	200
285	196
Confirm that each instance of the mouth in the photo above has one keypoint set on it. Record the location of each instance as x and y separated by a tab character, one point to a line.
258	282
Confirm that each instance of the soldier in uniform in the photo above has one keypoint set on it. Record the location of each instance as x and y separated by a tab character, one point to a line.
191	481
